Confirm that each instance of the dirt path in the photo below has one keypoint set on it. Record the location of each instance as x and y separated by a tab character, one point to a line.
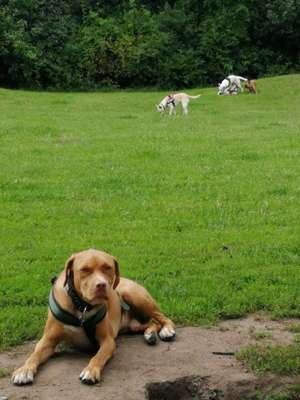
136	364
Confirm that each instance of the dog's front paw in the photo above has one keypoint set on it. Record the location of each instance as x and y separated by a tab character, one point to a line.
167	334
90	375
23	376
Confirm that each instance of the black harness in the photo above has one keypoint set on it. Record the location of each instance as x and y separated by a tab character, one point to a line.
171	100
89	324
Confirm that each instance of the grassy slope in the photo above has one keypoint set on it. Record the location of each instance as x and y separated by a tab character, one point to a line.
164	195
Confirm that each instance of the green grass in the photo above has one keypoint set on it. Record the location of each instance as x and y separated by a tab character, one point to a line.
291	393
283	360
295	328
260	335
4	372
204	210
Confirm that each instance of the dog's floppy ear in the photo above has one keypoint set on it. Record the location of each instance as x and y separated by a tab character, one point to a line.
117	274
69	267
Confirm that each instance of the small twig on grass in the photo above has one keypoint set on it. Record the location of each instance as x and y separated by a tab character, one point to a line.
223	353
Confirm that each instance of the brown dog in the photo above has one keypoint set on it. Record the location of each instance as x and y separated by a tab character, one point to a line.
88	291
251	86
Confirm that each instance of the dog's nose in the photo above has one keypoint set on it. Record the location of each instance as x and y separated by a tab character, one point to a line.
101	286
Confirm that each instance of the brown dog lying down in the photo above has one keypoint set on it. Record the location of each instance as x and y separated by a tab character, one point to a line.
88	291
251	86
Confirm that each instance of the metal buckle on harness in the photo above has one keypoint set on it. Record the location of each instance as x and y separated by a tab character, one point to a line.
82	316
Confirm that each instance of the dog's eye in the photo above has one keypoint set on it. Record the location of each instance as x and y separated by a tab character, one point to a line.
107	268
85	269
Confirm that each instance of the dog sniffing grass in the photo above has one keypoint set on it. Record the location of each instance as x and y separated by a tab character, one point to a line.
203	211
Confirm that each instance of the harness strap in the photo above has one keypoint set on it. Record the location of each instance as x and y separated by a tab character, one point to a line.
171	100
61	314
89	325
124	305
67	318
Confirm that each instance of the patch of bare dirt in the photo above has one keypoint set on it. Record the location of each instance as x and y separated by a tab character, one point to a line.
199	359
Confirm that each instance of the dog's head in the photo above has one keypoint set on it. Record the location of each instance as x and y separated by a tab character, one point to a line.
220	89
160	108
94	273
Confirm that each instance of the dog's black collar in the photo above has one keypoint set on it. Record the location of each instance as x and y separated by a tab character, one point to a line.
79	304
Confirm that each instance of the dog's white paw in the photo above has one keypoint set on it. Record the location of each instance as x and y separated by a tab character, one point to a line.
167	334
150	337
90	375
22	376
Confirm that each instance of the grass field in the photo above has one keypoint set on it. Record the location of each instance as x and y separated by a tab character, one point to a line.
203	210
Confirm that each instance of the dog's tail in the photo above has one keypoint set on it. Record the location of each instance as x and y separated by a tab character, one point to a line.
194	97
242	78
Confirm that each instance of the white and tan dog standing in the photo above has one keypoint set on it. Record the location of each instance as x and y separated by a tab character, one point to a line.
231	83
172	100
86	307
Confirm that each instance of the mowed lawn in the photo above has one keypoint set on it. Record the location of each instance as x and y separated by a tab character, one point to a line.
203	210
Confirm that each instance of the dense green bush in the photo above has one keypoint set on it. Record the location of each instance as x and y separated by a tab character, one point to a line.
137	43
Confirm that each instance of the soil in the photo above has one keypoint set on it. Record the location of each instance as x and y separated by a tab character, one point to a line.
185	369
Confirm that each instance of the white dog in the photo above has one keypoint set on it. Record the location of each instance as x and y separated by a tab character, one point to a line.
231	84
172	100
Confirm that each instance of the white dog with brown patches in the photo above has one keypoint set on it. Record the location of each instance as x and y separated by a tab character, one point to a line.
231	85
172	100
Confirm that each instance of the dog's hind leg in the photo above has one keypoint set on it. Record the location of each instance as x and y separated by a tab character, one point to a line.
185	108
143	305
150	329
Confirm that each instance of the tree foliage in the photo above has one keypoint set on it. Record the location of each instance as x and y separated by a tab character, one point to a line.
137	43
